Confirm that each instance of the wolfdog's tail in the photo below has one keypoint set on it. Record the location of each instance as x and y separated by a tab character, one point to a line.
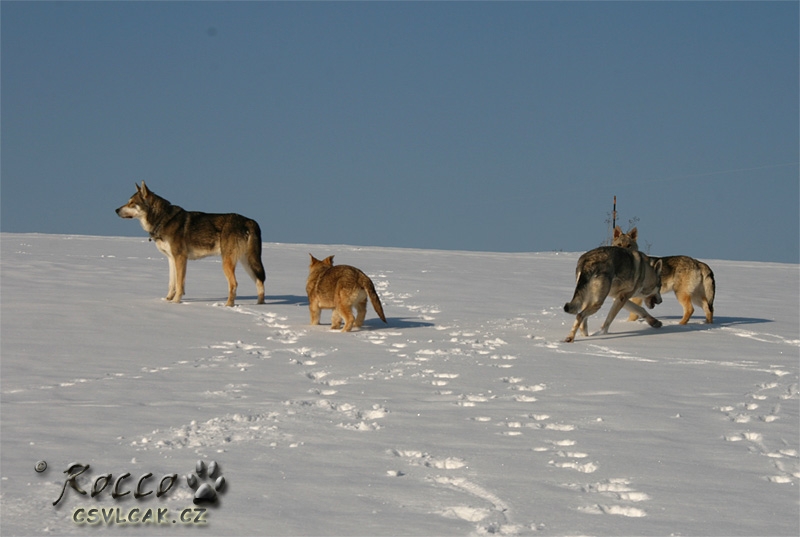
709	285
254	264
573	306
369	287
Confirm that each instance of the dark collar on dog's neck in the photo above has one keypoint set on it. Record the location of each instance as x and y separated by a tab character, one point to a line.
155	232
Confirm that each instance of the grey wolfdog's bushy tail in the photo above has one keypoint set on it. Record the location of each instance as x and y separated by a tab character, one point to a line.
573	306
250	254
369	287
254	251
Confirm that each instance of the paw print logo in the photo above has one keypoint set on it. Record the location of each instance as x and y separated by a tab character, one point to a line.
205	493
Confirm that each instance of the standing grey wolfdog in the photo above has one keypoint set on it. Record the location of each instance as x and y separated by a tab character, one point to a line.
616	272
182	235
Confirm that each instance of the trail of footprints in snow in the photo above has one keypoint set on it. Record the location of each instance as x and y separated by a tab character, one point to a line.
769	397
360	420
363	419
281	332
492	516
226	351
566	457
216	433
425	311
618	489
278	330
569	458
229	349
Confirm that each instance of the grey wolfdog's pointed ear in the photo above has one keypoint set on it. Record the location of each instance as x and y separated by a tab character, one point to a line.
328	260
634	233
143	190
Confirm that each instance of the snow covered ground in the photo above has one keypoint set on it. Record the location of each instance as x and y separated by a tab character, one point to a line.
465	415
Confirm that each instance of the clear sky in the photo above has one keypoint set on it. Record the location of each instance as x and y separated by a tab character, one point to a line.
447	125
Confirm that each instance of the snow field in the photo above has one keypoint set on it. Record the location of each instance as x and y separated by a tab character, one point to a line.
466	414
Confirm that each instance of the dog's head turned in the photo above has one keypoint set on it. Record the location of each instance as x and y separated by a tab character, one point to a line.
136	206
654	297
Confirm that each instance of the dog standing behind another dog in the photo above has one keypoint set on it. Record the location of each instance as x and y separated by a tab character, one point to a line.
691	280
340	288
182	235
616	272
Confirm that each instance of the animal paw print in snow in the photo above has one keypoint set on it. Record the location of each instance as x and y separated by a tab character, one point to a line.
206	493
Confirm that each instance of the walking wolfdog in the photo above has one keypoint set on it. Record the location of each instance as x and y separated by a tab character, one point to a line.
340	288
182	235
616	272
691	280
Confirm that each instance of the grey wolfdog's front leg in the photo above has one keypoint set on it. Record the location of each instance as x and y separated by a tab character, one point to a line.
641	312
580	322
172	278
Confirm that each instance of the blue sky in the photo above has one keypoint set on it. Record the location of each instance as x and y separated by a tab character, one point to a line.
446	125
